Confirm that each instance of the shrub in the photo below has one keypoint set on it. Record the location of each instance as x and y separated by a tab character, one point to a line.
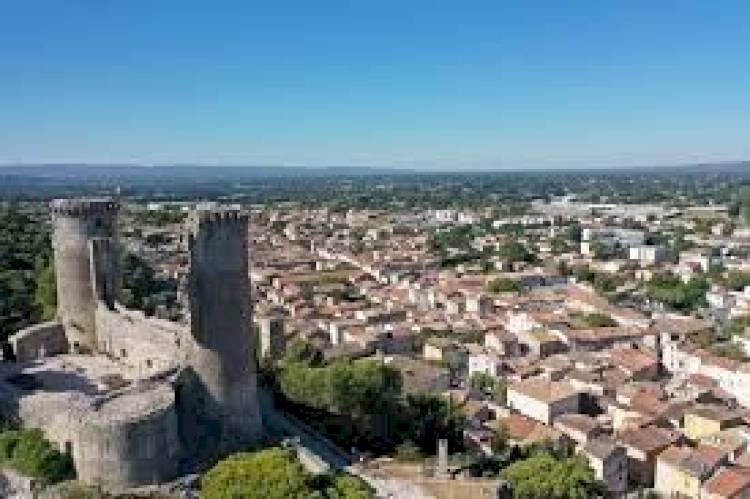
408	451
28	452
8	441
503	285
349	487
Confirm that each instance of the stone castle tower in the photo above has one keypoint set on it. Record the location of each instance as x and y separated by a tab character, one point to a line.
86	265
222	354
215	393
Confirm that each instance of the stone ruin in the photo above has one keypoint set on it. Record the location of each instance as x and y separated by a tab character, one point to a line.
137	400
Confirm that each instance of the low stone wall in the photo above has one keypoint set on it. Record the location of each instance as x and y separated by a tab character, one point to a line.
38	341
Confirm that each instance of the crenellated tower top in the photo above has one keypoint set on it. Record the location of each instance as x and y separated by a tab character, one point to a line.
83	207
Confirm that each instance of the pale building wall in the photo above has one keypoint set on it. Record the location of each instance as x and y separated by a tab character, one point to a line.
671	482
431	352
529	407
540	410
696	427
484	363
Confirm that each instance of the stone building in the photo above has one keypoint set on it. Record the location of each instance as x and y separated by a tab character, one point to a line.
137	400
271	334
543	400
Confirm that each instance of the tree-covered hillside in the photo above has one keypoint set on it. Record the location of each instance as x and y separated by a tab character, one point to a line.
27	282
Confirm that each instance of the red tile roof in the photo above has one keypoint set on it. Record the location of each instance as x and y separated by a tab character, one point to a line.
728	482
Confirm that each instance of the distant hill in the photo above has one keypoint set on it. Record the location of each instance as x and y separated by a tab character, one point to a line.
104	171
110	172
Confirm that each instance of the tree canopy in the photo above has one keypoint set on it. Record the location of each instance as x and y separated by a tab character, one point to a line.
276	473
140	284
494	387
361	403
738	325
27	279
598	319
515	252
737	280
676	294
544	476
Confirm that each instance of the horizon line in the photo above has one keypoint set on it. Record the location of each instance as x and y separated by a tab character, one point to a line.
394	168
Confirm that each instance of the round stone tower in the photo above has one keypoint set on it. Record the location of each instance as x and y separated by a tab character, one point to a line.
222	353
76	223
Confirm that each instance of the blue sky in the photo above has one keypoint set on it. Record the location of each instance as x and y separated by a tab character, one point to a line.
445	84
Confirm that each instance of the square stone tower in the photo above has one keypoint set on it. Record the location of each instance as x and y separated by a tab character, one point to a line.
222	354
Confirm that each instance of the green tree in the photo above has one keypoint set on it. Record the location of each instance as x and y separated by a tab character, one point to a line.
25	253
559	244
300	351
606	283
544	476
738	325
159	218
268	474
340	486
729	350
598	319
366	399
356	388
45	295
494	387
737	280
602	251
140	284
675	294
276	473
515	252
583	273
425	418
504	285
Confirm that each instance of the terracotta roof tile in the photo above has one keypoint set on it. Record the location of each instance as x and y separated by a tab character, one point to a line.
728	482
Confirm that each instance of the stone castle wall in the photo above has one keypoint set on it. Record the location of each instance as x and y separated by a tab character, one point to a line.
142	449
124	441
39	341
147	344
105	270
